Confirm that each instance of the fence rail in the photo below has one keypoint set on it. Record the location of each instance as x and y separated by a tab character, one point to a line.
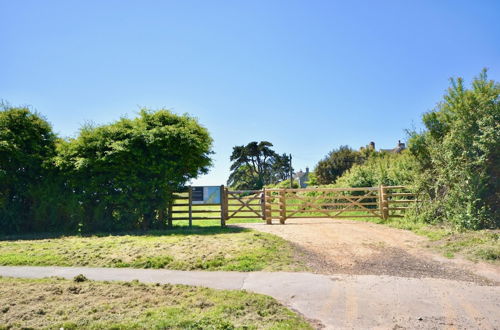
282	204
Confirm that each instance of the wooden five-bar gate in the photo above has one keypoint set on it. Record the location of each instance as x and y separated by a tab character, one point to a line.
282	204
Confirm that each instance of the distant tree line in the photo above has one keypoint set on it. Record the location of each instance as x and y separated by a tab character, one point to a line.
110	177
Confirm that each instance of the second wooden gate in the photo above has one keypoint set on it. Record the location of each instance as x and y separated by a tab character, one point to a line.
244	204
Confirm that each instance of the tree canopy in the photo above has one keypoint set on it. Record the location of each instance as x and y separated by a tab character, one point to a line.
336	163
256	165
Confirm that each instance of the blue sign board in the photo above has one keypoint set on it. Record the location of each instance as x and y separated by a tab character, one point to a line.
206	195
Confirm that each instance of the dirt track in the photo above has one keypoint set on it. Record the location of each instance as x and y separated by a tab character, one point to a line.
360	248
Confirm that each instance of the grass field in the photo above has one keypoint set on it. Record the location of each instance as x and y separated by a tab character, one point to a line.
56	303
197	248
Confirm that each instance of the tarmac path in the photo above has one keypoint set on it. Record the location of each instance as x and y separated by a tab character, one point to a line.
330	301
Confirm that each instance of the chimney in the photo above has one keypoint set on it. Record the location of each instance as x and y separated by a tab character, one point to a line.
307	169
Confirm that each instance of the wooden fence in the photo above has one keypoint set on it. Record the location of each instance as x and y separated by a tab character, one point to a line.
283	204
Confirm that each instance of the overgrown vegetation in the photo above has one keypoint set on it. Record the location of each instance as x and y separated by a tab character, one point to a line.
202	248
458	156
381	168
58	304
110	177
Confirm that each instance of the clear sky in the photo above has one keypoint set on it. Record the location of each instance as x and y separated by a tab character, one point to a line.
307	76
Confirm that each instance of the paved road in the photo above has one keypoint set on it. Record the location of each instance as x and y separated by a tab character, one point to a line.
337	301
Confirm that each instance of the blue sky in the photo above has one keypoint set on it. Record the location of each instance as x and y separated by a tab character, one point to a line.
308	76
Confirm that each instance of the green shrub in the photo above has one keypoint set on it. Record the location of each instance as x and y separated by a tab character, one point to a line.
283	184
111	177
458	156
381	169
27	146
123	173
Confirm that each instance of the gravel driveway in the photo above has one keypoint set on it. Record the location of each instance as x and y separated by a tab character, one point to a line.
361	248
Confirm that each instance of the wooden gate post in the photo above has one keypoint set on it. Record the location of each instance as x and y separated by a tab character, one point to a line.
263	203
223	206
170	207
267	207
383	202
190	207
282	206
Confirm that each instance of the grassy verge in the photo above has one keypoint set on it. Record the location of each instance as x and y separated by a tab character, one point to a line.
197	248
55	303
474	245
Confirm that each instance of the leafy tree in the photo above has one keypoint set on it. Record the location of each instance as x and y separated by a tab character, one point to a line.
458	155
281	168
256	165
336	163
27	145
123	172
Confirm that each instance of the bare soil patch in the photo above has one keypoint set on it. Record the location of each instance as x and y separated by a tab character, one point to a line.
360	248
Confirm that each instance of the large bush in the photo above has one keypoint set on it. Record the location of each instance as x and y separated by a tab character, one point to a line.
459	156
381	168
27	145
123	173
111	177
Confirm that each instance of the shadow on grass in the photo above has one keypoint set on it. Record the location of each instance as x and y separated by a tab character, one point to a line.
182	230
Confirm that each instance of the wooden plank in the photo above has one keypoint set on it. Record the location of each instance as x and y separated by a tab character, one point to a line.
385	204
282	207
169	220
197	218
398	208
324	189
268	212
202	205
244	217
401	201
256	212
333	217
380	201
334	204
197	211
190	191
223	206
